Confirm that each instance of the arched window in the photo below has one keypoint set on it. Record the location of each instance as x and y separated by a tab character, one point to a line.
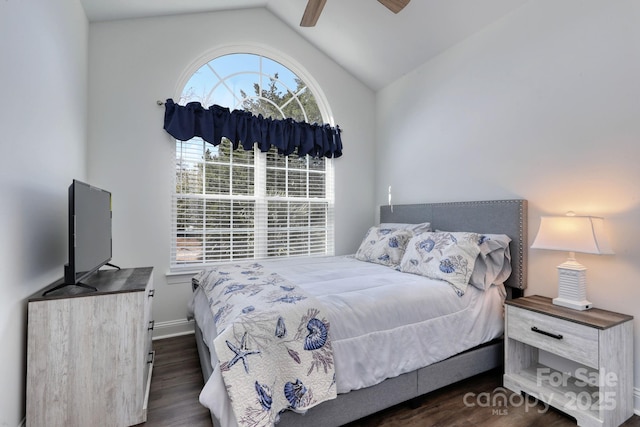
236	204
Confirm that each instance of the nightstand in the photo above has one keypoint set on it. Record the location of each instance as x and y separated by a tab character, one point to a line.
600	393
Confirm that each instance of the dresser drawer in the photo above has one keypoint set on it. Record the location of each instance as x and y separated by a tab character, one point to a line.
571	340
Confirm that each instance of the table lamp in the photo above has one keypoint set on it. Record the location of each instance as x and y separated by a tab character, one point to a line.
572	233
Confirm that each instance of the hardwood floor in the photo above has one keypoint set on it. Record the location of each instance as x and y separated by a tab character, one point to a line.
177	380
175	385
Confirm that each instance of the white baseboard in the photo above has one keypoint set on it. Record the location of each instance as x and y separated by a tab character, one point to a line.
172	328
636	401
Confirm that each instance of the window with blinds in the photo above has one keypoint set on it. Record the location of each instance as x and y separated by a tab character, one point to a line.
236	204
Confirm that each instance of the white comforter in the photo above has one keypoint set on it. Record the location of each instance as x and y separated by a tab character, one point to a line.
383	322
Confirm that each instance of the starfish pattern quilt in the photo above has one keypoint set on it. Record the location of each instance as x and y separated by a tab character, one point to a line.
273	342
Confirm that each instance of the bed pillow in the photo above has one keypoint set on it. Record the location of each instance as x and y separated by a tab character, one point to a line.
494	261
383	246
414	228
443	255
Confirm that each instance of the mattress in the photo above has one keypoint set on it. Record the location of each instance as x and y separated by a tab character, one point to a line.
383	322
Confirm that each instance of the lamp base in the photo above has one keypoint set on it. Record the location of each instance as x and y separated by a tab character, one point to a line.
576	305
572	285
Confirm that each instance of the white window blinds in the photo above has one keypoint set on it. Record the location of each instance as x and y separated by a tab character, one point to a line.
232	205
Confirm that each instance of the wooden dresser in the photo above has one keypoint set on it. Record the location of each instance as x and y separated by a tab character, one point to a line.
89	354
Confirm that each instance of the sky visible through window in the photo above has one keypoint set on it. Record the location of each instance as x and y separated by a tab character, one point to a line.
220	80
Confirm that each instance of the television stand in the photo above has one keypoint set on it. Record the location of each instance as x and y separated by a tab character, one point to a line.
112	265
64	285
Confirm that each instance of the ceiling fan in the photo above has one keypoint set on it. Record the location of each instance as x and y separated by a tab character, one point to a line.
314	8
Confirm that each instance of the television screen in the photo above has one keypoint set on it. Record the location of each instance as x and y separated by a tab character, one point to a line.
89	230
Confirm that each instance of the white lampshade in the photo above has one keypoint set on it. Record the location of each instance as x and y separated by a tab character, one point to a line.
584	234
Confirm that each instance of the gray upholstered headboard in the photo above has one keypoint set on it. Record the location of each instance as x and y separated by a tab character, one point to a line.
491	216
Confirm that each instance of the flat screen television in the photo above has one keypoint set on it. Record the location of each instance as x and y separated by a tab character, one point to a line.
89	233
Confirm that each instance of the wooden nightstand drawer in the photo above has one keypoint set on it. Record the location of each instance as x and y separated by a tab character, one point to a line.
567	339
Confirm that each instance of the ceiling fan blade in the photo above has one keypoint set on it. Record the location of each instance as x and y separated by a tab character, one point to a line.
312	13
394	6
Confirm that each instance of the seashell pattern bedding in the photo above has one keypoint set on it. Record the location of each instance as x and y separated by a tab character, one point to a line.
264	321
383	323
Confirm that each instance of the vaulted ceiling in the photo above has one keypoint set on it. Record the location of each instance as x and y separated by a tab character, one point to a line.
362	36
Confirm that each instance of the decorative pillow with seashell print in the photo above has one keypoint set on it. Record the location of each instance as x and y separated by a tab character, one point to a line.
443	255
383	246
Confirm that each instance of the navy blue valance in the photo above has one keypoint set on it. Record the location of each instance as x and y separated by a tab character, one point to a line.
184	122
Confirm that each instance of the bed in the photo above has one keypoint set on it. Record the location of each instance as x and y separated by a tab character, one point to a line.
363	390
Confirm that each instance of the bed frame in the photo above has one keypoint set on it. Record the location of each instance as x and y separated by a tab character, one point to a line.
496	217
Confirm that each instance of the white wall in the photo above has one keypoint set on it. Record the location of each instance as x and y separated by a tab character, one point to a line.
43	80
133	63
542	105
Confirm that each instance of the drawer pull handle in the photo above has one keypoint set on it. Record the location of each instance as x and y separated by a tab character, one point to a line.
151	357
549	334
151	325
152	293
